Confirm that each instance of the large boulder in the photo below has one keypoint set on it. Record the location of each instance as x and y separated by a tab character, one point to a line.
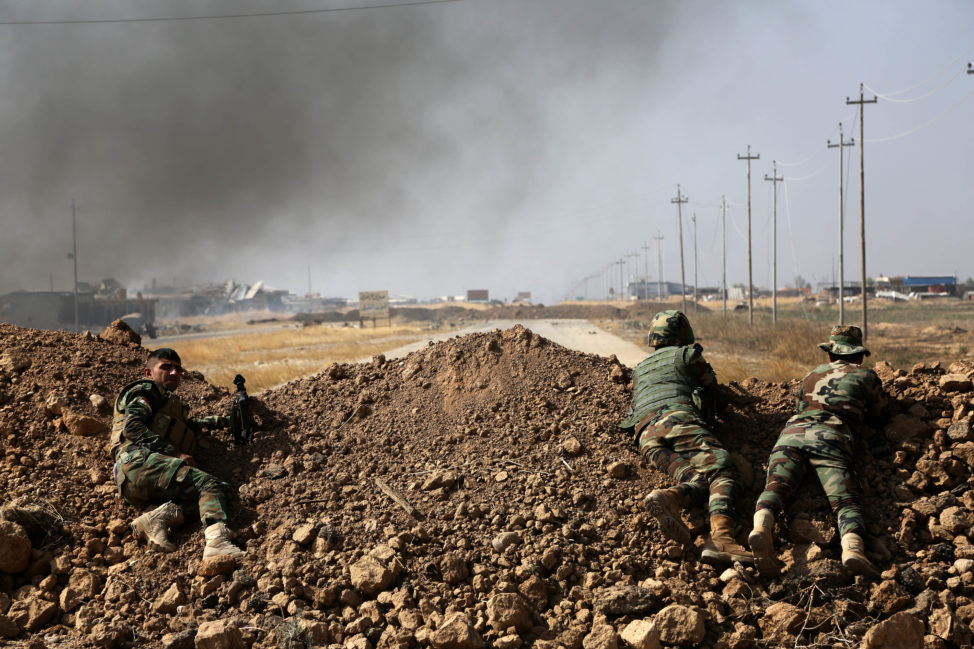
14	547
505	610
121	333
456	632
370	576
219	634
901	631
680	625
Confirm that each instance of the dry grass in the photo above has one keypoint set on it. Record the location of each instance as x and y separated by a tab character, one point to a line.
273	357
901	334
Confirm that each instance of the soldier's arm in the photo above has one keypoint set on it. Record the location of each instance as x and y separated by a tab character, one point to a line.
138	419
705	390
699	368
878	411
212	422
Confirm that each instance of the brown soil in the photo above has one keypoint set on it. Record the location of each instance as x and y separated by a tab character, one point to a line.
485	435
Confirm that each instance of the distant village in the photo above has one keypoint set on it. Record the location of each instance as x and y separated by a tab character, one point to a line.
94	306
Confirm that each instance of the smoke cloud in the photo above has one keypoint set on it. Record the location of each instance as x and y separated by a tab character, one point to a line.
398	148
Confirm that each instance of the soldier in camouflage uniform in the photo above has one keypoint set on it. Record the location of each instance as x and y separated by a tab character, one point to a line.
836	399
674	398
153	440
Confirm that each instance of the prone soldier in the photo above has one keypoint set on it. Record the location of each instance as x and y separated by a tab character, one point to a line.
153	440
674	402
836	399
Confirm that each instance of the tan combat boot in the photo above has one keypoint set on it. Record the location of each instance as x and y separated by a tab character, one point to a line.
154	526
721	546
665	506
761	540
854	555
218	542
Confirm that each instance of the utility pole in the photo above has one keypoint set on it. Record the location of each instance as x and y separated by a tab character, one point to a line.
862	197
621	262
750	283
659	271
841	143
694	221
723	236
680	200
774	239
646	248
74	257
632	273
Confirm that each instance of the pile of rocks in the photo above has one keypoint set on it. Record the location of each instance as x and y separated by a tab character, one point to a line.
476	493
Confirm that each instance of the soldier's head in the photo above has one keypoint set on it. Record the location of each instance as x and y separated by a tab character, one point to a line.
165	368
669	328
845	343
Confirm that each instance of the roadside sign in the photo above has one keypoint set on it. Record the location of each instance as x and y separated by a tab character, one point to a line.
373	306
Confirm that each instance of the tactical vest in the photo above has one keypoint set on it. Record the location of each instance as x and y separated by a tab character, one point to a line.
168	422
661	379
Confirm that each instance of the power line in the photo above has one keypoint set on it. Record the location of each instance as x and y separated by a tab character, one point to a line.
260	14
930	78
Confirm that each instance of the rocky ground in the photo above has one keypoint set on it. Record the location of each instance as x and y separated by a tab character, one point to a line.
476	493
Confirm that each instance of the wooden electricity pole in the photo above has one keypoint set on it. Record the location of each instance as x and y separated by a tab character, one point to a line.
839	145
862	198
750	284
680	200
774	239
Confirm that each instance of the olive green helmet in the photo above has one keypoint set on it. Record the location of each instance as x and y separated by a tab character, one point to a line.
669	328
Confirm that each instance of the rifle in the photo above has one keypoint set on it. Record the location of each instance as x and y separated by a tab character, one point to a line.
241	423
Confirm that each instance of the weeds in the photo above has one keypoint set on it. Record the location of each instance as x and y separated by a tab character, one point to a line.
273	357
900	334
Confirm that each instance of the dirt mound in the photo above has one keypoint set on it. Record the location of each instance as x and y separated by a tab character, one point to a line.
477	491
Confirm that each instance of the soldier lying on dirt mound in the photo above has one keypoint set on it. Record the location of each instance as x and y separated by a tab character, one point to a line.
153	441
837	398
674	398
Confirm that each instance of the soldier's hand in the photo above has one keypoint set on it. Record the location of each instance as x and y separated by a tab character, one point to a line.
188	459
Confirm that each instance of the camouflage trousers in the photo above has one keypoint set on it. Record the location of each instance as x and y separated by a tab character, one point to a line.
829	453
143	476
680	445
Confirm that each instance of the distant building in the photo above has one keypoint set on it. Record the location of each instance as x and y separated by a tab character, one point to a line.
649	290
55	309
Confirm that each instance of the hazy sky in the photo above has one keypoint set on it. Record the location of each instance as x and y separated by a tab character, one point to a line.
513	145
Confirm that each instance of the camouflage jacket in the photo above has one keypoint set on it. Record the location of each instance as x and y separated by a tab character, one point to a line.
672	379
841	395
139	420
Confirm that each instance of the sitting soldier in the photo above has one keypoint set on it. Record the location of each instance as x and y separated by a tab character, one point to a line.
153	441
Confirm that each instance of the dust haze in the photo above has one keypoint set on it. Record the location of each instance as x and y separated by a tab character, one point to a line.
382	148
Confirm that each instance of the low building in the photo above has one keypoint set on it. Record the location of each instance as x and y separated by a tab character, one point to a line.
55	309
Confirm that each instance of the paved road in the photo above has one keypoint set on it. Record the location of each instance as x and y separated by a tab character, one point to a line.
580	335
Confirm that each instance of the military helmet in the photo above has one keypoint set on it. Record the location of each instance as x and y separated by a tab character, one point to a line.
669	328
845	340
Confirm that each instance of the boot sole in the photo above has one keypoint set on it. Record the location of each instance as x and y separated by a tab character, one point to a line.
860	566
670	523
763	550
141	533
716	556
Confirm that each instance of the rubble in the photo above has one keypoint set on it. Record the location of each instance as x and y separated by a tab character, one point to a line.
524	526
